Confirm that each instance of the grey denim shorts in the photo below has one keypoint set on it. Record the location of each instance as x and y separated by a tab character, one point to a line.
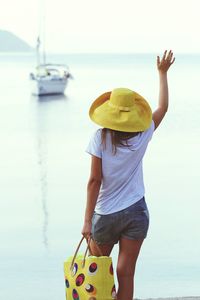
131	223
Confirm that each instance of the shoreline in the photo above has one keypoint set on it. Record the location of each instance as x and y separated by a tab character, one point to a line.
172	298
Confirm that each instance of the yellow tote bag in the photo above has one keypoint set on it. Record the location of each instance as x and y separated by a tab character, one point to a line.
89	277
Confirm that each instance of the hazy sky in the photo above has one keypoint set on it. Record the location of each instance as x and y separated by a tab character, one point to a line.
106	25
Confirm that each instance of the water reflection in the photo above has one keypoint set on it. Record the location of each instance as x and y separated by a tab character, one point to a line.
44	119
42	162
48	98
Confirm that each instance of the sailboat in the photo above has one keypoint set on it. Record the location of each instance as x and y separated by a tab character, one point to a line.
48	79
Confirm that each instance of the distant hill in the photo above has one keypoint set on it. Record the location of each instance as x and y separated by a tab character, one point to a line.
9	42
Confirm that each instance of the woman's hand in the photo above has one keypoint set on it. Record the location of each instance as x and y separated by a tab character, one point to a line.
87	228
166	61
163	65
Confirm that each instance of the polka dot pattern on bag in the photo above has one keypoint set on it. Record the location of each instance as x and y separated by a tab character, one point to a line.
75	295
93	269
80	279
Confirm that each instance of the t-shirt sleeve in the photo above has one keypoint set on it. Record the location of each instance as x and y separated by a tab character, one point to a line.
95	147
151	130
147	134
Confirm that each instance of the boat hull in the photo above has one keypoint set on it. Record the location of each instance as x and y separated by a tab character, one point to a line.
48	87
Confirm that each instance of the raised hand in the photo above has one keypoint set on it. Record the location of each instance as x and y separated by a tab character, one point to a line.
167	60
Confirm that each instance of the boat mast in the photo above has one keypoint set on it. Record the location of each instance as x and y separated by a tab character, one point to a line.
38	51
43	31
40	48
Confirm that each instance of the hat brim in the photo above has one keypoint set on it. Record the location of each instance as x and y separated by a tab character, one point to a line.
136	120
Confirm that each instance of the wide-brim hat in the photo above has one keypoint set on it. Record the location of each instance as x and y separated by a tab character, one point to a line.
121	110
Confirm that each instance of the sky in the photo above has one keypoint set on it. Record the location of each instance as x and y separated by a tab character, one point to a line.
105	26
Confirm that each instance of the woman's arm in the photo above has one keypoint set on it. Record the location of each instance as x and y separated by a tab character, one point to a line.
93	188
163	65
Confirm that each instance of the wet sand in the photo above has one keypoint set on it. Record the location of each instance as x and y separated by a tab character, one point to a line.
174	298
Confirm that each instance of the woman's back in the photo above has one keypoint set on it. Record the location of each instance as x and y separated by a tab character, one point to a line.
122	182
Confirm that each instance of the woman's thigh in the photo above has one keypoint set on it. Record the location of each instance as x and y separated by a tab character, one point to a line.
128	254
105	250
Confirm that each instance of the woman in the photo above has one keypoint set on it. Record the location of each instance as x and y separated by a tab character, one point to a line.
116	211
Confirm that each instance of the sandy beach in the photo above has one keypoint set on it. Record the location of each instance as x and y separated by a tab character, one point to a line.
173	298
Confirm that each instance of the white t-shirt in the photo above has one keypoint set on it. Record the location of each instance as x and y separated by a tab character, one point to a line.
122	182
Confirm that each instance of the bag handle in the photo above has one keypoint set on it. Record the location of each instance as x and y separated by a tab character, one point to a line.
75	254
88	248
86	251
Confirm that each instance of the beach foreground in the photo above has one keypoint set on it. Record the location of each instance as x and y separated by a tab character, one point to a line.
173	298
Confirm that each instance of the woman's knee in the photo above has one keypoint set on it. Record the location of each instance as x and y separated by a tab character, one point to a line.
125	270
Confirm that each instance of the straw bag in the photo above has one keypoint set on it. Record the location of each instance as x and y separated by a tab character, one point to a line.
89	277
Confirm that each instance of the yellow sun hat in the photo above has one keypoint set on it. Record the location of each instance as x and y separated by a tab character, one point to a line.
121	110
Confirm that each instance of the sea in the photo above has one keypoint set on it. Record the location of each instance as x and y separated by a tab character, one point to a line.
44	171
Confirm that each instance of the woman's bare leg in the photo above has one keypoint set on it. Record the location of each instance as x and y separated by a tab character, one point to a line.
128	254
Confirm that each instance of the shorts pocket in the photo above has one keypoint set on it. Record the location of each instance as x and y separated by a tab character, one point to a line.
102	228
142	219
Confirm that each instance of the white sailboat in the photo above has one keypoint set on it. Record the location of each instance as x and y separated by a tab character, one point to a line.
47	79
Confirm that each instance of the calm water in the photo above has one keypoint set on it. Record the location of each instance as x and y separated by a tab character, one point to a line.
44	171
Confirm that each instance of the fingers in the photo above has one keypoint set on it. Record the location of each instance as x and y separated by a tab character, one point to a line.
158	60
173	60
86	235
169	56
164	55
166	58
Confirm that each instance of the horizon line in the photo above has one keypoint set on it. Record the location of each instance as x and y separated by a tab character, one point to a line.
30	53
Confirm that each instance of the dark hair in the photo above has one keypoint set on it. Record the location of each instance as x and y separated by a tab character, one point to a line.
118	138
